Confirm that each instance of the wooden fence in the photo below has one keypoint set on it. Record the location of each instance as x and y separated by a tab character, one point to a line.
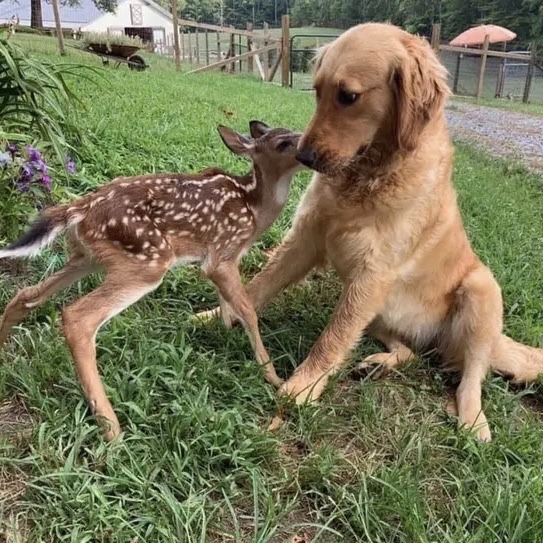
484	53
209	47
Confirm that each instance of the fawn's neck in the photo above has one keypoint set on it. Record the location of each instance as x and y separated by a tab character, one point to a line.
268	197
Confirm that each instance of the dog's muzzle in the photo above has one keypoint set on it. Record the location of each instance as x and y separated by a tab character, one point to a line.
308	157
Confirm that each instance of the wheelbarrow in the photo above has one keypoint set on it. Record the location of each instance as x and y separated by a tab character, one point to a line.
119	54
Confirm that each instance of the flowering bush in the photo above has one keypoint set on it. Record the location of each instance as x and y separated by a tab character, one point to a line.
26	184
36	105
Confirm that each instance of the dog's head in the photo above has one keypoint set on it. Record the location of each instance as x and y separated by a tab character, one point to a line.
376	86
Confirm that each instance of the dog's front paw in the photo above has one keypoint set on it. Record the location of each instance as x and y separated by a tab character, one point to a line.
204	317
303	387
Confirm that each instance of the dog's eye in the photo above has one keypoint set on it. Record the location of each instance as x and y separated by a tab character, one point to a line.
283	146
346	98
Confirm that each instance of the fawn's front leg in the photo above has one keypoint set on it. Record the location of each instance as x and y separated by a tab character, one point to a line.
227	279
298	254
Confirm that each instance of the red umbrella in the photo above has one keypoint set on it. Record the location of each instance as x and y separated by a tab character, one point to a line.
476	35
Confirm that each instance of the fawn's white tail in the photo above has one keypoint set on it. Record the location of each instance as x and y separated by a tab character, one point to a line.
45	229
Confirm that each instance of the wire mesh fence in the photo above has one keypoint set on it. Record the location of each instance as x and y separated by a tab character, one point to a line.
503	78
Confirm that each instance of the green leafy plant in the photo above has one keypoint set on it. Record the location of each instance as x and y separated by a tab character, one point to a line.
35	100
35	113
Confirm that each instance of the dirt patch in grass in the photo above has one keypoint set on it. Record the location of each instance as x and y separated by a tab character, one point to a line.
15	427
15	420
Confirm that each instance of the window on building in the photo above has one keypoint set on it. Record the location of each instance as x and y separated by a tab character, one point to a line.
135	14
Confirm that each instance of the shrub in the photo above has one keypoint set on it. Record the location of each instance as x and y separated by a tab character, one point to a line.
34	100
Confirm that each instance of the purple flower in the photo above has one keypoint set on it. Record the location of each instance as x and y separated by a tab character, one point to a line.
41	166
26	174
12	149
33	154
46	180
70	165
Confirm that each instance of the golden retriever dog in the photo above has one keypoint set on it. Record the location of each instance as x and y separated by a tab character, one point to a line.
382	211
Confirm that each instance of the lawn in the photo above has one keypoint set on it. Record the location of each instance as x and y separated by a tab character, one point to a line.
501	103
374	461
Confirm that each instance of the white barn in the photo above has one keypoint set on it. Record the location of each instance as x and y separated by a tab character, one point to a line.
143	18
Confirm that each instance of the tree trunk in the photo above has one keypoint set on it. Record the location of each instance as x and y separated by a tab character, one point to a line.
36	20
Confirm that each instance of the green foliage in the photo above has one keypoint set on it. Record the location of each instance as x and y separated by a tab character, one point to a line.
36	101
35	98
525	17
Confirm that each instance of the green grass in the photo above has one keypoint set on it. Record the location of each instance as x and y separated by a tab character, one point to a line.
529	108
374	461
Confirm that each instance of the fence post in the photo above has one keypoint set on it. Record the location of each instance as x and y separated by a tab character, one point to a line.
239	47
483	68
176	36
436	37
197	47
457	73
232	51
58	25
529	77
266	56
285	46
218	46
183	43
250	67
207	48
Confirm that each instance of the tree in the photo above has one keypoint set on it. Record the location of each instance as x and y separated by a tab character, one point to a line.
36	20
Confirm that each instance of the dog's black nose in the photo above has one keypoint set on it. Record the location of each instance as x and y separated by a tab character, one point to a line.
307	156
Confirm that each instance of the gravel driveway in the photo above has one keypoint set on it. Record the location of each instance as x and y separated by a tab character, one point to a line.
500	132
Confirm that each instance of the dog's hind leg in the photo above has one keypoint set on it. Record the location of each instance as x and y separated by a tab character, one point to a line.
378	364
470	335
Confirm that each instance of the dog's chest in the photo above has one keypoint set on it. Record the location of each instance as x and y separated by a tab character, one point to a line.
409	314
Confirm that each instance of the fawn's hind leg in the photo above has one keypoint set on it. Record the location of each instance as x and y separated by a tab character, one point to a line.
123	287
227	279
31	297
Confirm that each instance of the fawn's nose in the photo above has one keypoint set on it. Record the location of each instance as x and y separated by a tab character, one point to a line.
307	156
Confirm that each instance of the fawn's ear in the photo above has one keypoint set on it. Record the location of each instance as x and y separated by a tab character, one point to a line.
258	129
238	144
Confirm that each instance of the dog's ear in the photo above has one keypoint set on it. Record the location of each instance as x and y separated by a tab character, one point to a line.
420	89
319	55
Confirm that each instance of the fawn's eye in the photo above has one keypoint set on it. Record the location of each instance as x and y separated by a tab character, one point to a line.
283	146
346	98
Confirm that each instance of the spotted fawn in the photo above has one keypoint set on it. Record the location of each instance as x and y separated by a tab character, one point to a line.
137	228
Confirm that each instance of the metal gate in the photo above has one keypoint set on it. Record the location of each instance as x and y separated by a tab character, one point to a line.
303	48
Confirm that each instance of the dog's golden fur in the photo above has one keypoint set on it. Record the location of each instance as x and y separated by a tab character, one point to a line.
382	211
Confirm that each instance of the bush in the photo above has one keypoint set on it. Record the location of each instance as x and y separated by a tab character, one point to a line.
34	101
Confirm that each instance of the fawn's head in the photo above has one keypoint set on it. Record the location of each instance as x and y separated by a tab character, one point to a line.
272	150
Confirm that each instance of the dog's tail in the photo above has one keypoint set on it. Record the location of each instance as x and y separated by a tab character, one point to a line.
49	225
522	363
